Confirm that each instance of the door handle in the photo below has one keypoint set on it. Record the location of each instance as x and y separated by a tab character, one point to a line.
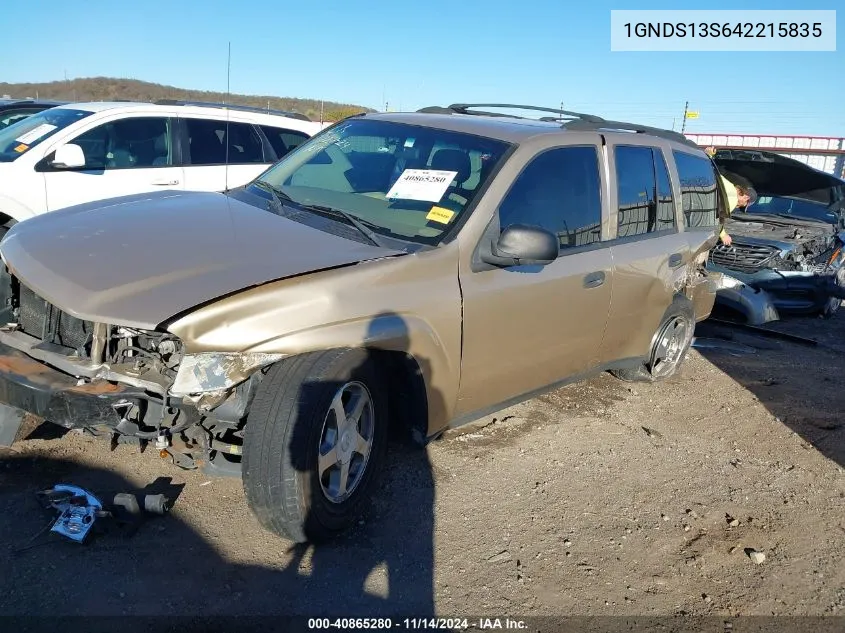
594	280
164	183
675	260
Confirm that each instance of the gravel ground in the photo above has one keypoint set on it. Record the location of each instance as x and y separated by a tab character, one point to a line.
602	498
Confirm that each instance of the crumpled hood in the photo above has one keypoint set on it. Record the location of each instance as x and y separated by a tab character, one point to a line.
140	260
771	174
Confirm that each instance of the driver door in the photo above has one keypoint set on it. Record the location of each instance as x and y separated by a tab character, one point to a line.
527	327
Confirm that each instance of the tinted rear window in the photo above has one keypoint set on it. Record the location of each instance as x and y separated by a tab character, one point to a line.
283	140
699	190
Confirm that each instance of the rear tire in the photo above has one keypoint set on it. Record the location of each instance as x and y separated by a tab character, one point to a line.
669	348
307	474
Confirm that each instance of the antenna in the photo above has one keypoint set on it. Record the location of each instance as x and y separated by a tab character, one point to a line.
225	104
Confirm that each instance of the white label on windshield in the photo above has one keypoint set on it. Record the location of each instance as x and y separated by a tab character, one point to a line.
35	133
428	185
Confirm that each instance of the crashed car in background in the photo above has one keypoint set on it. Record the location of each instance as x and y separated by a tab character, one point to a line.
786	255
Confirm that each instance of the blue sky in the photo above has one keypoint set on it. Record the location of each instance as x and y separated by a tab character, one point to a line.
413	54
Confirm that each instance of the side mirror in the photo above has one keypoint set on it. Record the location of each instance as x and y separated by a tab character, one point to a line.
69	156
522	245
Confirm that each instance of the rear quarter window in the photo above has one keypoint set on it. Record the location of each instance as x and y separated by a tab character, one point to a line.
699	190
283	140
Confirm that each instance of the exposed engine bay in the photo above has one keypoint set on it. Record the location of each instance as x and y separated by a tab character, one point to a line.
810	246
136	370
786	251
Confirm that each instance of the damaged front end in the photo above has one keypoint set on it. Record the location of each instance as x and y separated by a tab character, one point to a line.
134	386
786	255
775	267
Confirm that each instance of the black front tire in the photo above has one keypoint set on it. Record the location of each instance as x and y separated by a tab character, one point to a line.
282	440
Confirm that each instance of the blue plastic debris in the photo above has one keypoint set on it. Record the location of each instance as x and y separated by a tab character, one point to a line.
78	510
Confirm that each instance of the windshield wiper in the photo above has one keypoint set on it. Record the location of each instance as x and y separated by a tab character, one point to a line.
282	198
350	219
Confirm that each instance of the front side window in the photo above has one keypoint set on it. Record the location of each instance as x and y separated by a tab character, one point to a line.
405	181
209	144
137	143
560	191
643	191
699	190
283	140
18	138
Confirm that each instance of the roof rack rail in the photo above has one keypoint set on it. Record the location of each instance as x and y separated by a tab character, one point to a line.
630	127
568	119
466	108
233	106
568	114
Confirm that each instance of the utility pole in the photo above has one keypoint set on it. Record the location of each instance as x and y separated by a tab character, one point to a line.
321	111
684	123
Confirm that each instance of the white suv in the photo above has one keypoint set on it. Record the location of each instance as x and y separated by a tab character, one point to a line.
83	152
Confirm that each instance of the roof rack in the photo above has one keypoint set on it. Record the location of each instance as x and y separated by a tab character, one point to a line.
631	127
465	108
568	119
233	106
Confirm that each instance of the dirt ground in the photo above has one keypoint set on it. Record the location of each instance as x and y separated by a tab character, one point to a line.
599	498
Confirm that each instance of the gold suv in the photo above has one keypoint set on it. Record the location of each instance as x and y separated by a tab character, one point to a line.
404	271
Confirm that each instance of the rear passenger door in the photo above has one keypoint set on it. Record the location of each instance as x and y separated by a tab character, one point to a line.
207	147
649	252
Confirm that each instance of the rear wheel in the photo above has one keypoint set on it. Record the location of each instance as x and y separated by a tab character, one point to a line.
670	345
314	443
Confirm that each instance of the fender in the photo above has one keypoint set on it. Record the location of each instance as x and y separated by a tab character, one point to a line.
14	209
389	332
399	304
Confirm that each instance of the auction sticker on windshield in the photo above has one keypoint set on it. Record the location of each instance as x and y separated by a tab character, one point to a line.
439	214
427	185
35	133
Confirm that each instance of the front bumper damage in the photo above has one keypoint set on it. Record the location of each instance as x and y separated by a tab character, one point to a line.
764	296
27	385
126	413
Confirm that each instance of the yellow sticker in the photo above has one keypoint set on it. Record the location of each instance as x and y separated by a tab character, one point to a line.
21	148
439	214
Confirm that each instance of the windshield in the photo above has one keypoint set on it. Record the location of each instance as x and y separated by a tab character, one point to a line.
409	182
17	139
793	207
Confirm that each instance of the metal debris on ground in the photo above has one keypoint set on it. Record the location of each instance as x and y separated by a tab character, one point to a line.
79	510
731	347
768	332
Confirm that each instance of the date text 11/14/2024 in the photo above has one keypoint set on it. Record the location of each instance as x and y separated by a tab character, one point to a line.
415	624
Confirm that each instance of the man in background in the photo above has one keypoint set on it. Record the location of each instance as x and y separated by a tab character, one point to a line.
738	197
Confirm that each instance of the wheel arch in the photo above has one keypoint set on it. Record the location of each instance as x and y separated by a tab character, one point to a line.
422	377
10	209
